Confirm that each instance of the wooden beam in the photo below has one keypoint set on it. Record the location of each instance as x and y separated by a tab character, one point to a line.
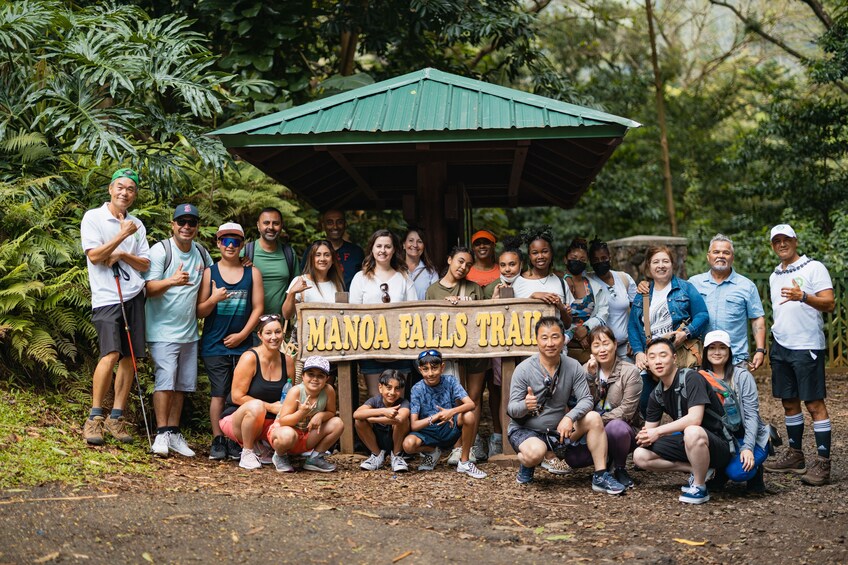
518	161
354	174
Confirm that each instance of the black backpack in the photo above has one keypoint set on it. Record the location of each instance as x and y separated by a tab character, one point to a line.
165	243
288	252
680	393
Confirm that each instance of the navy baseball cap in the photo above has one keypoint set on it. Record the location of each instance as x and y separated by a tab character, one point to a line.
186	210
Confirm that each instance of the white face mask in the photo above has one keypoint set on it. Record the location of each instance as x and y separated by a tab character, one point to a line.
509	280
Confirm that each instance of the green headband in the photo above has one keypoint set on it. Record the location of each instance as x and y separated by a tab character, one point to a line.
126	173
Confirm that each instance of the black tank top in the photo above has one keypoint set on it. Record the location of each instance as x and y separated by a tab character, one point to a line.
264	390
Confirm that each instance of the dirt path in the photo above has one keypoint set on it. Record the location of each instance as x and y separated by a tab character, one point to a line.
199	510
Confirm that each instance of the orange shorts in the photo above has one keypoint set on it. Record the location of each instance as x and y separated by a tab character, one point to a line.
299	445
226	424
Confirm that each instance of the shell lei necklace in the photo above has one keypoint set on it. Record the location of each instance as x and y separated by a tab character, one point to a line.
779	271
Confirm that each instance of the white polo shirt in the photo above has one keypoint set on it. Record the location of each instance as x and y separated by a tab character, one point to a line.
798	325
99	226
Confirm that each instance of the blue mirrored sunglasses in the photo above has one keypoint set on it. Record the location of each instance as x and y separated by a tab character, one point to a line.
430	353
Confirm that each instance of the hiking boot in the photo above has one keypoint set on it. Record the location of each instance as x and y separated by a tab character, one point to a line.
495	445
690	482
160	444
399	464
374	461
525	474
479	451
790	461
621	476
282	463
556	466
430	460
470	469
218	451
606	483
695	495
92	430
249	460
756	485
117	428
819	472
318	463
233	450
177	444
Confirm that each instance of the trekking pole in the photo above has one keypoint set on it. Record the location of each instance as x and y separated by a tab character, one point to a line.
116	269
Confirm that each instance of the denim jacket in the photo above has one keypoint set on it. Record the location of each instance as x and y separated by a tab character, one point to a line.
684	303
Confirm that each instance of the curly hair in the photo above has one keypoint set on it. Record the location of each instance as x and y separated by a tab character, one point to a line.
512	244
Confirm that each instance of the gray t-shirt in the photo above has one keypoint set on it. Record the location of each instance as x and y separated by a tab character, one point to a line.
571	384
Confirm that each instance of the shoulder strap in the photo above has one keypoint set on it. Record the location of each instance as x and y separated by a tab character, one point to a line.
288	252
203	253
166	245
248	250
562	282
646	315
462	286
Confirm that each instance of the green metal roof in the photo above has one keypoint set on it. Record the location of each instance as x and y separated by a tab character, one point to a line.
368	148
426	105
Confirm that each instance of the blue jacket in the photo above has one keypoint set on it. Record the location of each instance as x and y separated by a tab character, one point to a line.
684	303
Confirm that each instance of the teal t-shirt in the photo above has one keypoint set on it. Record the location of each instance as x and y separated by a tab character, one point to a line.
275	276
172	316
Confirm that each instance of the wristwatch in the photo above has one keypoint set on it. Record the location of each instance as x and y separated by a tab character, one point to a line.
760	350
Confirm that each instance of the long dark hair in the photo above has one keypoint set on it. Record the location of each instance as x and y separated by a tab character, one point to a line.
334	274
457	249
397	262
728	367
425	256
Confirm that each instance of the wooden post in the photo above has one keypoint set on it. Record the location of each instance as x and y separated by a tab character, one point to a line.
507	368
346	392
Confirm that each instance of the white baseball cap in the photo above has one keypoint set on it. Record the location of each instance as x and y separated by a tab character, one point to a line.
230	228
782	229
717	336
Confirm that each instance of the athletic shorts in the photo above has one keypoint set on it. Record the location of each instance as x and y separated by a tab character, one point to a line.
220	369
384	435
576	455
797	373
672	448
111	332
473	366
299	445
174	365
442	436
226	424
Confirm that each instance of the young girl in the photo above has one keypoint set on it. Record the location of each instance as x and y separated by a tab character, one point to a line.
753	450
540	281
321	278
455	287
382	280
307	420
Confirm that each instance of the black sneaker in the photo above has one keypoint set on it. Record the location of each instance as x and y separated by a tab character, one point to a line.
621	476
233	450
756	485
218	450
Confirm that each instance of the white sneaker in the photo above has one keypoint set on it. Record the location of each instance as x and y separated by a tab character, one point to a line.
282	463
690	482
160	444
556	466
249	460
374	461
455	454
399	464
470	469
430	460
264	451
177	443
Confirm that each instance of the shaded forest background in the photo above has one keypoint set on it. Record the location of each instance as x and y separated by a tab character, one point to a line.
755	94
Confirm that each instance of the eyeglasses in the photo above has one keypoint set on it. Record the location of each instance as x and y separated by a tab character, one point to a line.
430	353
266	317
384	288
190	222
227	241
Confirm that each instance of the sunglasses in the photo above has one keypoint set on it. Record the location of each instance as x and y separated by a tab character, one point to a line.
266	317
429	352
227	241
384	288
190	222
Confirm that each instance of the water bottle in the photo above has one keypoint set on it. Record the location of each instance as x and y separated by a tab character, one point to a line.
286	389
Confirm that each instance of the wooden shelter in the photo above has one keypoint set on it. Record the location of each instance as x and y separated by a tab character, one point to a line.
432	144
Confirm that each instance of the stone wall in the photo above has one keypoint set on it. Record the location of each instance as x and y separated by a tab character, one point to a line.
628	254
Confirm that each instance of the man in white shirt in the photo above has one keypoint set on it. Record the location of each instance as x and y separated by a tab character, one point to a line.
113	238
801	290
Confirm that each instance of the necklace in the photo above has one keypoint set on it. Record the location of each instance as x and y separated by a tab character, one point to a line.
779	271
